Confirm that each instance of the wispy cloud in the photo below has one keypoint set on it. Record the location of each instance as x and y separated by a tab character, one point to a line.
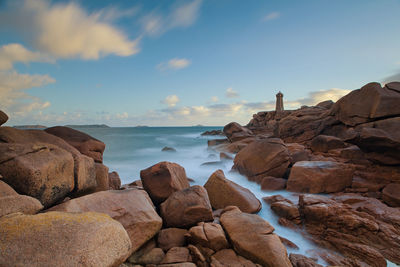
271	16
392	78
170	100
65	30
230	93
13	53
155	24
174	64
13	97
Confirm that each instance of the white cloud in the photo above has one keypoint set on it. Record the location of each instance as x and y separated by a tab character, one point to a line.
68	31
171	100
271	16
174	64
214	99
182	16
392	78
13	98
230	93
12	53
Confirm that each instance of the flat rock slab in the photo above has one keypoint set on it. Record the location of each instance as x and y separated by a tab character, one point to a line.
319	177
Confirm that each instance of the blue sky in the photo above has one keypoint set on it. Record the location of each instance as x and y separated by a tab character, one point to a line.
170	63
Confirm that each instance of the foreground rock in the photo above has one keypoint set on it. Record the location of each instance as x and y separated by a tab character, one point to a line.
62	239
131	207
19	203
44	172
3	118
319	177
186	208
84	169
223	192
391	195
268	157
171	237
228	257
85	143
324	143
259	245
163	179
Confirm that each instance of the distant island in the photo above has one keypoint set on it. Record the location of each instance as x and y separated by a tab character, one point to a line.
30	126
141	126
89	126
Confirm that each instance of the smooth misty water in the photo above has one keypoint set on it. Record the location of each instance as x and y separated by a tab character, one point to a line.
131	149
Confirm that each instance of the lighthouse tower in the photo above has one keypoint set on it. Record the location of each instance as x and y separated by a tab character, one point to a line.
279	102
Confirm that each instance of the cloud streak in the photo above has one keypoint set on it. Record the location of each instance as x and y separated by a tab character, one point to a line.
170	100
230	93
271	16
174	64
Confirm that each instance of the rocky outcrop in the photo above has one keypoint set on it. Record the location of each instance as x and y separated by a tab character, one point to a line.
235	132
83	142
62	239
168	149
259	245
45	172
213	132
187	207
267	157
163	179
114	181
3	118
369	103
299	260
319	177
84	169
131	207
223	192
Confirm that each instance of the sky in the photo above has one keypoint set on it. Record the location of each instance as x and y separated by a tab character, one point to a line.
184	63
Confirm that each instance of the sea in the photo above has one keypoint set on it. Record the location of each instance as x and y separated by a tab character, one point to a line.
132	149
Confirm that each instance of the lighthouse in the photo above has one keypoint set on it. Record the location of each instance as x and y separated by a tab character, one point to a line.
279	102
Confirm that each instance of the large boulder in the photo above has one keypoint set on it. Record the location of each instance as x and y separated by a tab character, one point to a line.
267	157
186	208
319	177
235	132
62	239
259	244
223	192
163	179
6	190
85	143
84	169
369	103
45	172
131	207
3	118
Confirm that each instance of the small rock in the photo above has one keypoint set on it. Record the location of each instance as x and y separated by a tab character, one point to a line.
391	195
177	255
114	181
168	149
270	183
171	237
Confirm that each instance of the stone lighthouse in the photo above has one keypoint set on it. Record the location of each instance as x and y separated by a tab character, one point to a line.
279	102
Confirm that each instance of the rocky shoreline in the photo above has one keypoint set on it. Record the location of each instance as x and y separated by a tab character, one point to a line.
60	205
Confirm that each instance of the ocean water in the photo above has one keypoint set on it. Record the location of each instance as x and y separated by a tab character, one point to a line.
131	149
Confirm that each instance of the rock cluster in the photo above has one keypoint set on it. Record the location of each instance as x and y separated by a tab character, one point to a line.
349	150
